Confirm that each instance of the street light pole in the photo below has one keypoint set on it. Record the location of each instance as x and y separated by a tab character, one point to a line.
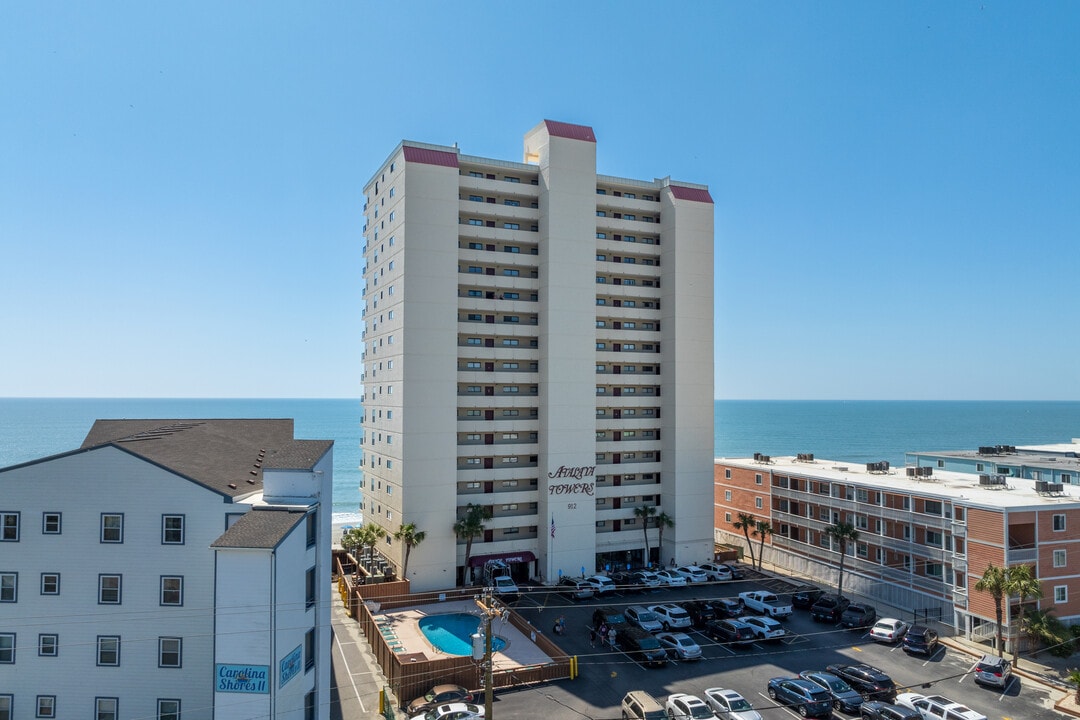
490	609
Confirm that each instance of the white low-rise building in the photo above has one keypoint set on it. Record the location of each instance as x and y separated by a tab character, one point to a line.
168	567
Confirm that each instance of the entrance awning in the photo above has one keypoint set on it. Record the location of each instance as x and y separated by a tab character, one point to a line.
508	557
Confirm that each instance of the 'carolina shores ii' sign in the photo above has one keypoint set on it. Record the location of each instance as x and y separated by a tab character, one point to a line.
242	678
289	666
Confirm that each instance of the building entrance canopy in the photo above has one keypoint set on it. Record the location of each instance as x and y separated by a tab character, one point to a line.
507	557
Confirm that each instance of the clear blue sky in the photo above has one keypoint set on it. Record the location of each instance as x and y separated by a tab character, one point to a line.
897	184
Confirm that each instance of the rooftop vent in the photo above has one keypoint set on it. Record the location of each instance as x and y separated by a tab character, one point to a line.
881	467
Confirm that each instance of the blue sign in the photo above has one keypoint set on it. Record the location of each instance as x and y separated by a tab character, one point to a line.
242	678
290	665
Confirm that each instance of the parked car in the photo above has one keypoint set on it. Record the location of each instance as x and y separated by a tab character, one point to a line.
921	640
888	630
730	705
809	699
765	628
641	645
992	670
700	611
804	597
736	571
845	698
692	573
643	618
453	711
682	706
612	617
600	584
645	578
575	589
858	615
728	607
829	608
671	578
640	705
871	682
716	572
936	707
671	615
681	645
729	632
877	710
438	695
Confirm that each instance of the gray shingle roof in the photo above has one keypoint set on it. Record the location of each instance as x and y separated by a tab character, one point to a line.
262	527
225	455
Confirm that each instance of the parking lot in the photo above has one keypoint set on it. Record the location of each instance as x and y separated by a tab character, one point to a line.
606	674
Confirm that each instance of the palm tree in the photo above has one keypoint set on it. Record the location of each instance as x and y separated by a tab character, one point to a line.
746	523
469	526
762	529
410	537
370	534
993	581
1037	625
645	512
351	541
663	520
1020	580
843	533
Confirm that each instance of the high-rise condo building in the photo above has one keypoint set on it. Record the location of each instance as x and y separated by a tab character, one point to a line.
538	342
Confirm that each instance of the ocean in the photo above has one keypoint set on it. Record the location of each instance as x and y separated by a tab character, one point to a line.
851	431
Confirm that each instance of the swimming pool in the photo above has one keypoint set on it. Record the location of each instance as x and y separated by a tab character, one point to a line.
452	633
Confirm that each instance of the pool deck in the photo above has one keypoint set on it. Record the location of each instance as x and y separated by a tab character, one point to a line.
403	624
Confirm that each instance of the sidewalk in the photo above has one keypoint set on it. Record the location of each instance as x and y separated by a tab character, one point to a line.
355	678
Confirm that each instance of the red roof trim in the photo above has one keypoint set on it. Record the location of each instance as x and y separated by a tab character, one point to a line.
430	157
685	193
567	130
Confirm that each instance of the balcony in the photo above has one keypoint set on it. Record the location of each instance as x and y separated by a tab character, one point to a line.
1021	556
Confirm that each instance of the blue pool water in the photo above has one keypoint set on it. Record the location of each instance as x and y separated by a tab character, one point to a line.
452	633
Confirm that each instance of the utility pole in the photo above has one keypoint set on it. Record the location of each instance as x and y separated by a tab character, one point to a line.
490	609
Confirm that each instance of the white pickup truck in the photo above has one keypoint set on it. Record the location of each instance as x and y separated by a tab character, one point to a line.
766	603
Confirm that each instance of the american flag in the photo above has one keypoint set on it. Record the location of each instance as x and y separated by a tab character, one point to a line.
552	527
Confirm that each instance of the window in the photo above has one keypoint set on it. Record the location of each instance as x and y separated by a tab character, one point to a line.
50	583
757	478
9	587
511	272
309	649
473	341
312	527
758	503
109	589
172	529
727	517
933	507
1059	558
512	203
727	496
511	226
934	538
170	652
9	526
172	590
106	708
476	221
168	709
50	523
310	706
476	198
727	473
7	648
5	707
108	650
48	645
1061	594
46	706
112	527
309	584
1059	523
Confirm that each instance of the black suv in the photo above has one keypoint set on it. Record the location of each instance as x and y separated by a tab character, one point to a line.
731	632
876	710
805	597
612	617
858	615
829	608
920	639
641	645
701	612
728	607
871	683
